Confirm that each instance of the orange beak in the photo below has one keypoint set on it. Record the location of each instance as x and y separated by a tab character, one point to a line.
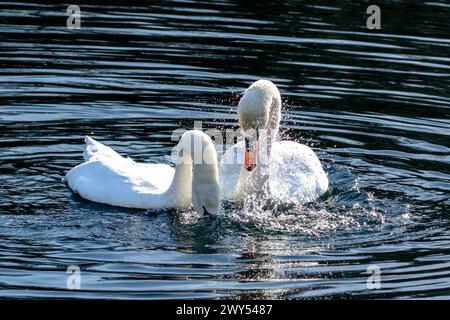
251	152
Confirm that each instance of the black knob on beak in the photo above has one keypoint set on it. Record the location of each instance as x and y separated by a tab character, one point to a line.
205	212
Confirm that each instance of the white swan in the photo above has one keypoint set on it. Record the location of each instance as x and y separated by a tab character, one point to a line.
107	177
289	171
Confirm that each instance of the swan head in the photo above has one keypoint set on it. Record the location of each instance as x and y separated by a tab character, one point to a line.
254	107
257	113
197	147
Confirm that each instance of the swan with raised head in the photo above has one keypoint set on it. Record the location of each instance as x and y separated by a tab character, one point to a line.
285	170
107	177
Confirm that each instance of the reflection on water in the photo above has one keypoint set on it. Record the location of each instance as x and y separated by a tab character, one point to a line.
373	104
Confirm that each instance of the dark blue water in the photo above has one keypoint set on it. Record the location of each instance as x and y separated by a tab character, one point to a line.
373	104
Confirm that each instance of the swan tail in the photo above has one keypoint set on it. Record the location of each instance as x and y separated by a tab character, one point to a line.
96	150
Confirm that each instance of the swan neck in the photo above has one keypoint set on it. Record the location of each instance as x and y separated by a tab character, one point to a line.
179	191
204	173
274	114
260	179
189	174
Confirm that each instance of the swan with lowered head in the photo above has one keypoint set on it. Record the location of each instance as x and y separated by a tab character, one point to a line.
109	178
285	170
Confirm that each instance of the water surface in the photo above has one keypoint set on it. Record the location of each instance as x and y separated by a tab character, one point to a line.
373	104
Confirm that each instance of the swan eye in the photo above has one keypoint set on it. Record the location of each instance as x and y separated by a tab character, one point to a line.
180	153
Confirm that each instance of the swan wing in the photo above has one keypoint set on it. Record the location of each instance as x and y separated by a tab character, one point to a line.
109	178
296	174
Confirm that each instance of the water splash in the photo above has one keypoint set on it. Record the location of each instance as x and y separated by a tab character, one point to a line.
343	208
